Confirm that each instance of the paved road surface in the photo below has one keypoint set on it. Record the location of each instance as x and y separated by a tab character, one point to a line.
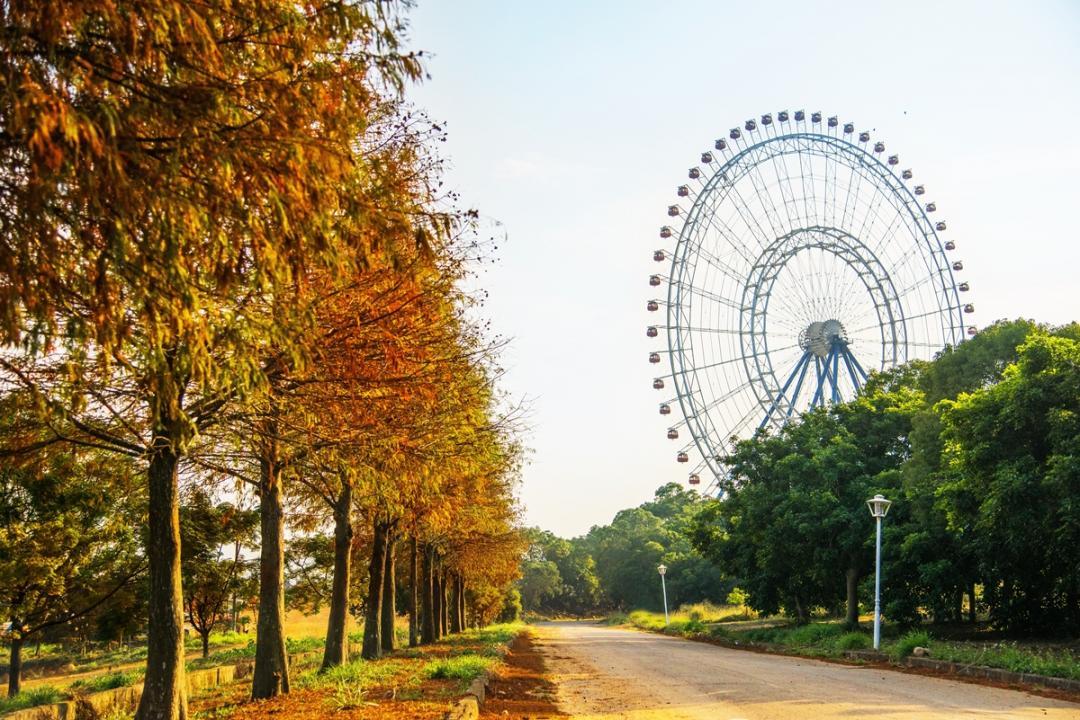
609	673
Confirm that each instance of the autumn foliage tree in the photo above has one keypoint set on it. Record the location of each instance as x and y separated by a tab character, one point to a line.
224	247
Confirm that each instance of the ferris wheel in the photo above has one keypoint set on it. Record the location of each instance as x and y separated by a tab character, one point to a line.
802	258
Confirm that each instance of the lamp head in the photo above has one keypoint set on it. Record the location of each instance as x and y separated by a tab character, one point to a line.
879	506
662	569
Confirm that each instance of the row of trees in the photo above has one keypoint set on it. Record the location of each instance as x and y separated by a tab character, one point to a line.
228	262
979	449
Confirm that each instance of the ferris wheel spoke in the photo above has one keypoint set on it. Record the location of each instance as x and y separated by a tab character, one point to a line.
762	193
728	361
707	406
705	294
753	225
717	263
928	278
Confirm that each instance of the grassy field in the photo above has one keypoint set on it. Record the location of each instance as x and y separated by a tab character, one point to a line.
58	674
433	672
410	683
830	639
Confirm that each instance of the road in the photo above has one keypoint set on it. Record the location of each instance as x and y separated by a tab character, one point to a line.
608	673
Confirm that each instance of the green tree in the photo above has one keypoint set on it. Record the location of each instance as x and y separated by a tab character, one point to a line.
540	582
1012	458
792	526
67	538
210	577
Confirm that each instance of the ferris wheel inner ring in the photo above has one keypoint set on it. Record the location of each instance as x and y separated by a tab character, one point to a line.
758	291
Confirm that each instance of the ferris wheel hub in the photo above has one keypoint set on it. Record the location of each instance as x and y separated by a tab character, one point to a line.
820	337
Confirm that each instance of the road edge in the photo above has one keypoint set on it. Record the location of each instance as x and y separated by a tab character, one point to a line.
1057	688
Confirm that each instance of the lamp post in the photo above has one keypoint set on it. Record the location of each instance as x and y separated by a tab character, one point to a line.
879	508
662	569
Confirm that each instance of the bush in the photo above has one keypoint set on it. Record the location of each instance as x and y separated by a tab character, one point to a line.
853	641
813	634
910	641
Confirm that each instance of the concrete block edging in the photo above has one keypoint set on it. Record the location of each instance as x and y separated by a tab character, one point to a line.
128	697
468	705
978	671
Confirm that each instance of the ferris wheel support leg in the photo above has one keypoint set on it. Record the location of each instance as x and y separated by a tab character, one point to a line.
783	391
798	387
848	360
858	367
822	373
836	374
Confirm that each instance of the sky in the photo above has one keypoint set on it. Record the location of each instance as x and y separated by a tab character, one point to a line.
572	123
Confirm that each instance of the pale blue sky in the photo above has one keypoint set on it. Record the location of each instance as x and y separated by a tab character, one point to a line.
571	124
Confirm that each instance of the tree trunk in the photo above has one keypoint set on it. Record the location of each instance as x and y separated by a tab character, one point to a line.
800	612
236	564
852	619
971	606
389	595
414	630
271	674
164	695
461	603
336	651
15	666
437	603
205	644
372	636
443	609
455	625
427	597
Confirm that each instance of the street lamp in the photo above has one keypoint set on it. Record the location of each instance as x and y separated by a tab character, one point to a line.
879	508
662	569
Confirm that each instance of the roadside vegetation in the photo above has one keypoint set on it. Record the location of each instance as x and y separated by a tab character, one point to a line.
456	660
830	639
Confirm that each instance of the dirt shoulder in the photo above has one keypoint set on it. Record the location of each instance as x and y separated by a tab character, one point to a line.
522	689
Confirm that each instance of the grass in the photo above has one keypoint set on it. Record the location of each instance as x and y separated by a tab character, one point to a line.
465	668
829	639
907	644
359	673
1009	656
109	681
41	695
490	637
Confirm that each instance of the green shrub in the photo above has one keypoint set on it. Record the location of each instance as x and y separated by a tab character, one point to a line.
813	633
853	641
910	641
738	597
617	618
